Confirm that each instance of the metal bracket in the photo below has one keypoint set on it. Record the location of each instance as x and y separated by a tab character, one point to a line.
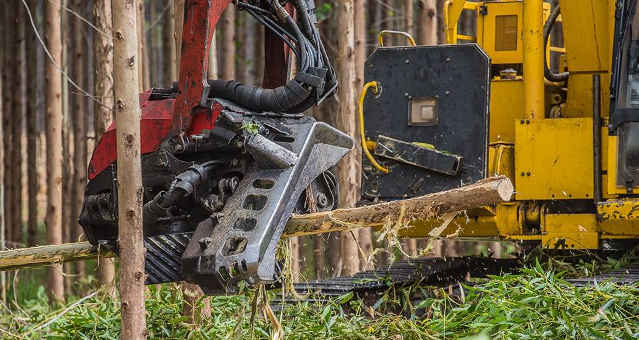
241	245
419	156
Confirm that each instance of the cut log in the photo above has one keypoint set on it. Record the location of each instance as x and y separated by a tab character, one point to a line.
50	254
485	192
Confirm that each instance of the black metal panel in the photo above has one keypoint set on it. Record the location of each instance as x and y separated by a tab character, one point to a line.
456	77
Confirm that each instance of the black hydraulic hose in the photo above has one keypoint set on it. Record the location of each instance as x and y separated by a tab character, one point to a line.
556	77
287	98
315	78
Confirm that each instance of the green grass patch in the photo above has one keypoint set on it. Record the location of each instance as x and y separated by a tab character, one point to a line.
533	304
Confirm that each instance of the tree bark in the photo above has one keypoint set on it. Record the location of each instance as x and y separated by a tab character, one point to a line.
177	35
365	235
228	43
32	133
168	46
130	191
68	51
349	168
19	89
7	119
103	91
79	132
427	23
54	142
3	38
142	64
409	16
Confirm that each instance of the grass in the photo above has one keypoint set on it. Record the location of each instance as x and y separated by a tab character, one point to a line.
535	303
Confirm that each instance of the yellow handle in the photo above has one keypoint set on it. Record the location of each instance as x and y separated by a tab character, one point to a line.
372	84
380	37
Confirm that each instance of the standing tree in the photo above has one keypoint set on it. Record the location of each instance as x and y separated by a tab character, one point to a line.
409	16
170	61
349	168
427	22
54	141
3	291
129	177
32	133
228	43
365	234
103	89
78	182
19	111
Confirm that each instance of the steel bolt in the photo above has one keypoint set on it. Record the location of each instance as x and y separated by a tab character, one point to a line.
321	199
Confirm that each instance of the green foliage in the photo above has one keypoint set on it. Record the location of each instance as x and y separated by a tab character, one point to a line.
536	303
323	11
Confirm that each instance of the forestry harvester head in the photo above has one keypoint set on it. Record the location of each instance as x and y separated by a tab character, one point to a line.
225	164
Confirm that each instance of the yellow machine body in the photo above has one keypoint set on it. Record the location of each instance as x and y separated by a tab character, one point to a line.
541	132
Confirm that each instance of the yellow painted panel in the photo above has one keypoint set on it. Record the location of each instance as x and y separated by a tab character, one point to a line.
586	28
572	231
506	107
553	159
496	12
619	217
579	99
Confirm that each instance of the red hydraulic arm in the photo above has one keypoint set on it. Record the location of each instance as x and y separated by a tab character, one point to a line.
200	19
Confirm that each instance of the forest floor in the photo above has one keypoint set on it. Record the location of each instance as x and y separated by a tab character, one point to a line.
535	303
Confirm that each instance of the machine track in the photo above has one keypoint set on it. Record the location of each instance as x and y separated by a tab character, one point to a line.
436	272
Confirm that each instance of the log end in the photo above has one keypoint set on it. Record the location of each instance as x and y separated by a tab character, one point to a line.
505	189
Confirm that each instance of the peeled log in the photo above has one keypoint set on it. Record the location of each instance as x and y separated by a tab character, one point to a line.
485	192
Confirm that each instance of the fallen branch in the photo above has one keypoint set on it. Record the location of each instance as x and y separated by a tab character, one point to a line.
482	193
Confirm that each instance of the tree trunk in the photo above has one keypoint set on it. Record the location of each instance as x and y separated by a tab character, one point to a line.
3	78
409	16
103	91
349	168
259	53
54	142
177	34
141	45
427	23
68	52
441	25
79	133
130	191
228	43
32	134
168	46
365	235
7	119
19	88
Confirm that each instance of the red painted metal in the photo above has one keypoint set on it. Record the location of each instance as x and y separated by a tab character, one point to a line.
200	19
169	117
154	127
